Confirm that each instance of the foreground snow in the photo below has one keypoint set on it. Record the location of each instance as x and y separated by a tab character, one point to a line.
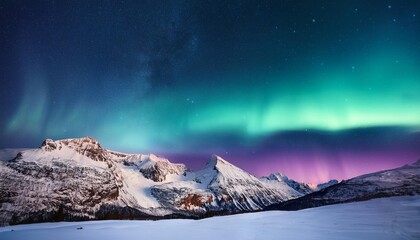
387	218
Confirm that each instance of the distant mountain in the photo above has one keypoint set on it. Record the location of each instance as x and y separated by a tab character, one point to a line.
324	185
281	181
394	182
77	179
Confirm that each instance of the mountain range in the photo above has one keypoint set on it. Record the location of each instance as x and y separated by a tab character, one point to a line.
78	179
402	181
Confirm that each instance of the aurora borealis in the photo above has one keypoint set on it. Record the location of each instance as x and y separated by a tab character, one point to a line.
314	89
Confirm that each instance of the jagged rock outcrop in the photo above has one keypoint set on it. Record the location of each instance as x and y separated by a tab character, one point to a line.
157	169
86	146
33	190
281	180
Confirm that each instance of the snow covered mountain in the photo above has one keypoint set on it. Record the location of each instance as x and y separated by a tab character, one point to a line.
77	179
394	182
281	181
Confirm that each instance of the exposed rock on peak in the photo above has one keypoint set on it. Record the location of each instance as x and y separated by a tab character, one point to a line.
301	188
219	164
157	169
48	145
86	146
214	161
277	177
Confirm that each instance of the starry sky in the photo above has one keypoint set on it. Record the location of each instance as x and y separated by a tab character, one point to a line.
314	89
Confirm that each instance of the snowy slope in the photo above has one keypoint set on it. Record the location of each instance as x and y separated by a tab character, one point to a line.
385	219
394	182
77	179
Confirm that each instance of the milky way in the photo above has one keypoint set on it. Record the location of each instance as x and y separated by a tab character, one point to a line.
316	90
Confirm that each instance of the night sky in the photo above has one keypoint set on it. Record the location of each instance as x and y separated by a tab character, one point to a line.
314	89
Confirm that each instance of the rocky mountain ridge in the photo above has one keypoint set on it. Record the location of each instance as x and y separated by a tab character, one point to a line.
78	179
400	181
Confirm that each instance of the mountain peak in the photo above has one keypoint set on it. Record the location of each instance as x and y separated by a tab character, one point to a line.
216	160
86	146
277	176
300	187
219	164
154	158
49	143
150	160
158	168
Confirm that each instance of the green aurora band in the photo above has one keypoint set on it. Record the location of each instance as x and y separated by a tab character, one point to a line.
383	90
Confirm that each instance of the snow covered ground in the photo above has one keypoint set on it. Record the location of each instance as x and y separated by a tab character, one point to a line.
387	218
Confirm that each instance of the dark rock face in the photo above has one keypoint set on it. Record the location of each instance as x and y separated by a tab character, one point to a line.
194	200
51	184
31	191
49	145
187	200
114	212
157	171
